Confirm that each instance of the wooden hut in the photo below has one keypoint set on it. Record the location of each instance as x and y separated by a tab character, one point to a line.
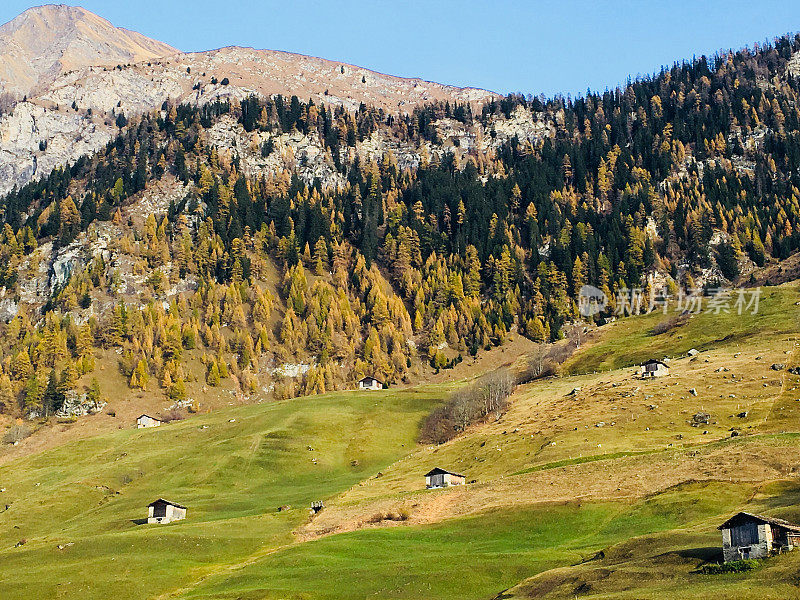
746	535
147	421
370	383
654	368
438	478
164	511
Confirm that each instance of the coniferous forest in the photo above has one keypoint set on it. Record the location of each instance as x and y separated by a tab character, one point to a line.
687	178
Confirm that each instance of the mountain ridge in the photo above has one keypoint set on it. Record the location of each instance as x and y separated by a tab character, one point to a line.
83	26
44	132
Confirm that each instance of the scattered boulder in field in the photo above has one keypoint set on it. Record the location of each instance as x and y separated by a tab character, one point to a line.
778	366
693	392
742	415
693	352
701	418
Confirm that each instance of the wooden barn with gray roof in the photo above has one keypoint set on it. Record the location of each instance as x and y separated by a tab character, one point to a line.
438	478
747	535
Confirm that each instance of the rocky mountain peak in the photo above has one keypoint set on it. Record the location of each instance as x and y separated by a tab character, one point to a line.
46	41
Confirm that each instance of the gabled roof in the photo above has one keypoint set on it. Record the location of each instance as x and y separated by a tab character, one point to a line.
149	417
161	500
762	519
653	361
369	377
438	471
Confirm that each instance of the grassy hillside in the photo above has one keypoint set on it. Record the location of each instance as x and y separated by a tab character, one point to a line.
664	565
232	469
589	432
631	340
610	437
590	484
469	557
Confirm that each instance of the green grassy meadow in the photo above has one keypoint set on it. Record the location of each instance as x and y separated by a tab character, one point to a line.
664	565
471	557
232	475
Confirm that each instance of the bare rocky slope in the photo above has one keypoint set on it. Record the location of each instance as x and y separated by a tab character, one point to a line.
199	76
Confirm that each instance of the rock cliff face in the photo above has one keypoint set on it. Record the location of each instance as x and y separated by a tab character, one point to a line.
793	68
45	41
34	140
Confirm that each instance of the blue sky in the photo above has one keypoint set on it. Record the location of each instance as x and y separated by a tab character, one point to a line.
534	47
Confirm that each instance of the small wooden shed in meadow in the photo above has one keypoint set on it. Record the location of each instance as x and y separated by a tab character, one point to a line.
370	383
163	511
654	368
746	535
438	478
147	421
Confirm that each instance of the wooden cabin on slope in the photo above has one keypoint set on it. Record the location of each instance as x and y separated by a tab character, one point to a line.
163	511
746	535
439	478
654	368
147	421
370	383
